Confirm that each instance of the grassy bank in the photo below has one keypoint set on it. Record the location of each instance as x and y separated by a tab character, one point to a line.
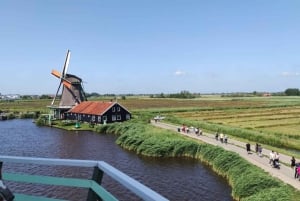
248	181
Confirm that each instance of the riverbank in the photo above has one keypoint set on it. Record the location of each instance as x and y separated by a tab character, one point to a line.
286	173
247	180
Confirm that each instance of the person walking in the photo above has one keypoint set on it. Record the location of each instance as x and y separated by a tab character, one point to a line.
276	160
293	162
259	148
248	148
221	137
225	139
256	148
297	166
217	136
271	157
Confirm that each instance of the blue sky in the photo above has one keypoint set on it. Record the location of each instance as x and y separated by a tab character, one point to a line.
151	46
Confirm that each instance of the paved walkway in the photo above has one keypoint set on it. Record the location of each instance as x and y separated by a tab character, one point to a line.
285	173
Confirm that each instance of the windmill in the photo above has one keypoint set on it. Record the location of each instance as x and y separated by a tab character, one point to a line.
72	89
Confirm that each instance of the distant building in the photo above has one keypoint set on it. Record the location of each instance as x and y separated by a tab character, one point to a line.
10	97
98	112
267	94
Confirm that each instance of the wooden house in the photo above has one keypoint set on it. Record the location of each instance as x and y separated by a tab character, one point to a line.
98	112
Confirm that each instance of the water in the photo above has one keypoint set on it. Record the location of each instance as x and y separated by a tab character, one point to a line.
176	178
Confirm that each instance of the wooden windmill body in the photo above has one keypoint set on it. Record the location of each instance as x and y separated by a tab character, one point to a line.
72	91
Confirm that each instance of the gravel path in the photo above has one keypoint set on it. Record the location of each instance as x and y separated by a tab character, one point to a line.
285	173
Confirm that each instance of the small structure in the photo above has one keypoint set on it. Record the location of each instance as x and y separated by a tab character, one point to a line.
98	112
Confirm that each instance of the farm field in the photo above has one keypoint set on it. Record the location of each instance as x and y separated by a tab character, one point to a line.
273	121
284	119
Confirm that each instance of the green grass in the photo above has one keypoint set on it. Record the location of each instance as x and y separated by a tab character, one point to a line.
248	182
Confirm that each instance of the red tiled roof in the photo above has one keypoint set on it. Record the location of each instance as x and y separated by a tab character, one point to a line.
92	107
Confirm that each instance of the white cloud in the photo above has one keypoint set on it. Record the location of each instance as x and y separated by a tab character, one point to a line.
290	74
179	73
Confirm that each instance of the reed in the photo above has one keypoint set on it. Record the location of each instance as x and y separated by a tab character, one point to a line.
248	181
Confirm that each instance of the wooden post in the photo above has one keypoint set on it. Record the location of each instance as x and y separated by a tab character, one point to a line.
97	177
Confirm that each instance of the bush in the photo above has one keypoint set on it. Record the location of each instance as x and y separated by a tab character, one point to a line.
41	121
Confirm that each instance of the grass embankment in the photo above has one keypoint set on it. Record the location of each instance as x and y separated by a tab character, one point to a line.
248	181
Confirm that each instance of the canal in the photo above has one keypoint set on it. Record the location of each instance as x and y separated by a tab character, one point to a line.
176	178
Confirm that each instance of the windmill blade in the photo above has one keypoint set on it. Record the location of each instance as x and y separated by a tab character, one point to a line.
65	69
56	73
56	93
83	93
67	83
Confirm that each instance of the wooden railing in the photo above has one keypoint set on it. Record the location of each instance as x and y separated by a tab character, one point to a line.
96	191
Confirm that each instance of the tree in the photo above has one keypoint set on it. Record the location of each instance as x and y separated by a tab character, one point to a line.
182	94
45	97
292	92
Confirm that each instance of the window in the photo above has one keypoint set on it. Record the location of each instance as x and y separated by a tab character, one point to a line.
127	116
118	109
118	117
113	109
104	118
99	118
113	118
93	118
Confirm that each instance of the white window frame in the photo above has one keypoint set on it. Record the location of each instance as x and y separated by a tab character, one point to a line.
119	117
113	117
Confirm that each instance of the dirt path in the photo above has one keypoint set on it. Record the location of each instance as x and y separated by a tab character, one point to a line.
285	173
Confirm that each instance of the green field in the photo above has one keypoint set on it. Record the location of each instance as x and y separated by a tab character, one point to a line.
273	121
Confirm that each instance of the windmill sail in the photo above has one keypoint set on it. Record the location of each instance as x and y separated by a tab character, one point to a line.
72	91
